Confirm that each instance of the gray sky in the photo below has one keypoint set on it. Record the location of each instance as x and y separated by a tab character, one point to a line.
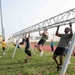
20	14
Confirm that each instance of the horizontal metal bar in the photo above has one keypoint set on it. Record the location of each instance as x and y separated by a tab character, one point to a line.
61	19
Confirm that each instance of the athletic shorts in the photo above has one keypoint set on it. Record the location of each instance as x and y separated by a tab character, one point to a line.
59	51
3	48
27	52
41	42
18	46
65	52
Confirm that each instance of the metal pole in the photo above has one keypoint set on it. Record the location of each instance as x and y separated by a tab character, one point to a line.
15	47
1	22
32	49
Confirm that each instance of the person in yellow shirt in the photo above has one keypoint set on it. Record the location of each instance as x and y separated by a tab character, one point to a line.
3	46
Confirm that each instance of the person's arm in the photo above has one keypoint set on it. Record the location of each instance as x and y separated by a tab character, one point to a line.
71	31
29	35
46	33
4	43
40	33
57	34
23	40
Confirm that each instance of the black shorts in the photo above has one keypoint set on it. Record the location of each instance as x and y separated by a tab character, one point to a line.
59	51
41	42
3	48
27	52
18	46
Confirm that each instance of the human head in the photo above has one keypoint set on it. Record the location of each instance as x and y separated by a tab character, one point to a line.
51	39
3	40
44	30
67	29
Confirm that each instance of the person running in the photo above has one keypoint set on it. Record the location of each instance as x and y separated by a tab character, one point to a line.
44	37
27	51
64	41
3	47
52	45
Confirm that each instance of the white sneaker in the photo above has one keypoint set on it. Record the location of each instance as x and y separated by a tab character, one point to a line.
4	53
41	53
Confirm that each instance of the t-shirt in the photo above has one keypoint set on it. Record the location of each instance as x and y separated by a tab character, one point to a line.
44	36
64	40
27	43
3	44
23	40
52	43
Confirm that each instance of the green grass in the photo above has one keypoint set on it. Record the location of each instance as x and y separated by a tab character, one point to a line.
36	65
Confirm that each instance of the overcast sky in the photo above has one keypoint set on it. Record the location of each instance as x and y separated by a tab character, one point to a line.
20	14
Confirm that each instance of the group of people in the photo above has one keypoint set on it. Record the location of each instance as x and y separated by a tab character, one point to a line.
61	47
39	45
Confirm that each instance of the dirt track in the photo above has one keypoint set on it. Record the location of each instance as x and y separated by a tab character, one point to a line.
48	48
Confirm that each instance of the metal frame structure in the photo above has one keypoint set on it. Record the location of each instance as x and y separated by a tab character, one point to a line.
3	35
61	19
58	20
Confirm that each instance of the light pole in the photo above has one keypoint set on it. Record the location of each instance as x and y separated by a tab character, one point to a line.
3	37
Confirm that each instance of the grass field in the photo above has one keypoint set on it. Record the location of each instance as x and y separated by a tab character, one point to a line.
36	65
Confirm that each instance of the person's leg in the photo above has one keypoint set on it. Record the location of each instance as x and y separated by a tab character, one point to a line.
52	48
3	50
39	47
27	58
58	65
61	59
54	57
35	45
29	55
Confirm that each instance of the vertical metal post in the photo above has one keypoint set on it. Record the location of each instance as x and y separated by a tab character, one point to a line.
3	37
32	49
15	47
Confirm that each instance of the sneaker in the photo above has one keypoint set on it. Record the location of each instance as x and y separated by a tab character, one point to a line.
58	67
25	60
41	53
4	53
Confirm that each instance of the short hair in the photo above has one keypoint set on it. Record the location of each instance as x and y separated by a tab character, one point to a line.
67	28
